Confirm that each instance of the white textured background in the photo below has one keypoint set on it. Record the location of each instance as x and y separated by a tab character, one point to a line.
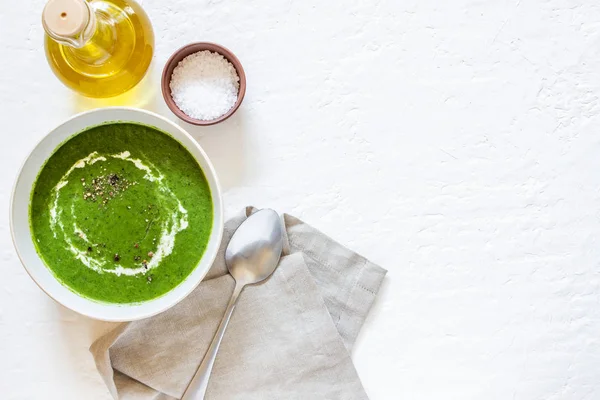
456	143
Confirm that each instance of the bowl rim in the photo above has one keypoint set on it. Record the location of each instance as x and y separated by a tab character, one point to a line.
200	46
219	220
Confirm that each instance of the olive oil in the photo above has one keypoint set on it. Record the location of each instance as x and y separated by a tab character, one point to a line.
99	48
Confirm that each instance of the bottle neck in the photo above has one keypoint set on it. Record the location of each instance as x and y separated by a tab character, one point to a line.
78	37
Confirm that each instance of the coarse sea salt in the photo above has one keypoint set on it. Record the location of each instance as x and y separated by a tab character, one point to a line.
204	85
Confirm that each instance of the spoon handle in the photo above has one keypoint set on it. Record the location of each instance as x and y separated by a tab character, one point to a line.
199	383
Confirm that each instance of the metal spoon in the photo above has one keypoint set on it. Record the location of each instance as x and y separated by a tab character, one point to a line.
251	257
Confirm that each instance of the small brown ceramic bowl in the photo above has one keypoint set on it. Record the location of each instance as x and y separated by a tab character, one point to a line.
183	53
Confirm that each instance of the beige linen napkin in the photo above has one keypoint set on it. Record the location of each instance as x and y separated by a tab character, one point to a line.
289	338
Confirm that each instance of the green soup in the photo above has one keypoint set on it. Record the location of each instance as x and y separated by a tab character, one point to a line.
121	213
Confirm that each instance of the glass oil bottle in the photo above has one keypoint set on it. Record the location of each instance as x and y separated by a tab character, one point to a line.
99	48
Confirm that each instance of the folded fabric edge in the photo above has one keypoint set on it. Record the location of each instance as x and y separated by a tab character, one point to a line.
360	301
100	351
365	287
119	385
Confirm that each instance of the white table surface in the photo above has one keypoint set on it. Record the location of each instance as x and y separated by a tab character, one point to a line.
454	143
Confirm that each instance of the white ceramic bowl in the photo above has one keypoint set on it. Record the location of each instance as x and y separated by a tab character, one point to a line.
21	233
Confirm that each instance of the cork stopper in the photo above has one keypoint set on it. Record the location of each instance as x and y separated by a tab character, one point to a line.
64	19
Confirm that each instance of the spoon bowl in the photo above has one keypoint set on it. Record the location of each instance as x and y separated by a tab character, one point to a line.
254	250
